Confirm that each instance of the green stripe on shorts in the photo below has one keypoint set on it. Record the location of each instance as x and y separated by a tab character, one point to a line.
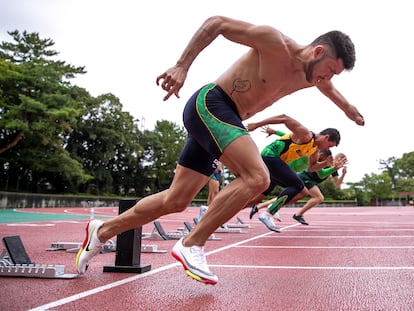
223	133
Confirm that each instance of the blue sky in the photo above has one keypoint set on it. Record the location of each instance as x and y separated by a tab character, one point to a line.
125	45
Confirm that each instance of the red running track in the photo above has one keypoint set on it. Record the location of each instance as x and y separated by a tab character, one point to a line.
346	259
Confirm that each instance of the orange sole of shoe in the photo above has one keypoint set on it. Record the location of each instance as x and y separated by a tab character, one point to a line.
192	275
200	279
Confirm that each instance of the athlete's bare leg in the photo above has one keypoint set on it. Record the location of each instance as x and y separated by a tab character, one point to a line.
317	198
213	190
296	198
244	161
175	199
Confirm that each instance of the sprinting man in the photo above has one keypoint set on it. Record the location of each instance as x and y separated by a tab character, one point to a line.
213	187
214	181
313	179
273	67
301	143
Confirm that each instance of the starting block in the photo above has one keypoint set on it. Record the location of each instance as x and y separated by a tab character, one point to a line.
189	228
74	247
151	248
110	246
70	247
160	234
224	229
238	224
36	271
15	262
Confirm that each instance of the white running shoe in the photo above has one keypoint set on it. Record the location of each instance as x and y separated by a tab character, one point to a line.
277	217
267	219
90	247
194	262
203	210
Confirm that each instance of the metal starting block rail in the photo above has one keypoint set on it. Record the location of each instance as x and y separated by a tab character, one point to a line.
211	237
160	234
238	224
36	271
74	247
70	247
110	246
225	228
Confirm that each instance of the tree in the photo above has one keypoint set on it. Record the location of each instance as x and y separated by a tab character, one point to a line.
38	107
162	147
377	187
329	190
106	142
405	165
389	167
35	102
405	170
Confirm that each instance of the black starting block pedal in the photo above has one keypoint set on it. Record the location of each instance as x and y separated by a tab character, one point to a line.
172	235
15	249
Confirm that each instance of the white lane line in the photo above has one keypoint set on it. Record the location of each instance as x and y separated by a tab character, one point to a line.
84	294
96	290
312	268
340	236
66	300
328	247
312	230
20	224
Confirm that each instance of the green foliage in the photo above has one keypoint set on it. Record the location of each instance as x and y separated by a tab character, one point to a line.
373	188
405	165
37	110
106	142
162	149
330	191
55	137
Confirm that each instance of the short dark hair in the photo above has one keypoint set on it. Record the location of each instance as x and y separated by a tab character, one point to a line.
333	135
326	152
341	44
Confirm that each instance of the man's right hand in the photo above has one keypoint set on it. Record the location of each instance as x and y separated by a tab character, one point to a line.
173	80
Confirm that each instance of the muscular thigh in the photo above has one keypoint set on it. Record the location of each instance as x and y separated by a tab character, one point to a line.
242	158
185	185
315	192
280	174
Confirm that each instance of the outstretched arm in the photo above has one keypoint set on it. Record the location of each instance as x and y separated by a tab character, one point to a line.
301	133
315	165
339	179
340	163
328	89
234	30
173	78
269	131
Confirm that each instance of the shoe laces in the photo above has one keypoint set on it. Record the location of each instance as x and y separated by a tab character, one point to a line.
198	255
267	215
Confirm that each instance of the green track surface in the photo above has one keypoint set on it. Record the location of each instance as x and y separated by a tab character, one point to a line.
12	215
